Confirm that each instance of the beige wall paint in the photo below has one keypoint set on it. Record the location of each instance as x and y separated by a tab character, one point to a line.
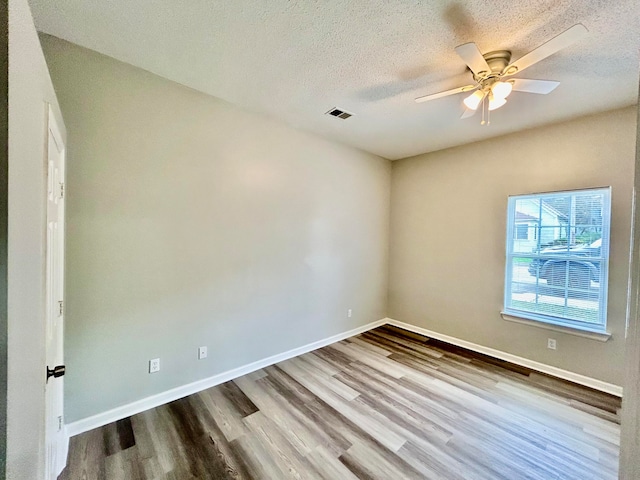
630	435
29	88
448	223
191	222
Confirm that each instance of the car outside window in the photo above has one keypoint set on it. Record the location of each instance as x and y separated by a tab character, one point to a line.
558	272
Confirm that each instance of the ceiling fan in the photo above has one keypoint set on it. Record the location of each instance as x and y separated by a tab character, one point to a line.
490	72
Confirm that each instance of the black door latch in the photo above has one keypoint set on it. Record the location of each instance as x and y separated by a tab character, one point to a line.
56	372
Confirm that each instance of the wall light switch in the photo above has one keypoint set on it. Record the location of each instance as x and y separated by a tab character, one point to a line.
349	313
202	353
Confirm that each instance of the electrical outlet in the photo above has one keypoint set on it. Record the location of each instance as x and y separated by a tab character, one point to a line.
154	365
551	343
202	353
349	313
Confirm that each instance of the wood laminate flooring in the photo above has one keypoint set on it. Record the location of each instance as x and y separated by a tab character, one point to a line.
386	404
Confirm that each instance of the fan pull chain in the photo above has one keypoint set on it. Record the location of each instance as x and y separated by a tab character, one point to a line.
484	103
485	112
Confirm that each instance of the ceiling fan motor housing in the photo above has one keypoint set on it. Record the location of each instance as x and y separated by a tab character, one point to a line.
497	61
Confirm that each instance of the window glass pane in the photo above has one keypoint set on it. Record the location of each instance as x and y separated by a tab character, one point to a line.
522	231
578	300
554	211
557	261
526	224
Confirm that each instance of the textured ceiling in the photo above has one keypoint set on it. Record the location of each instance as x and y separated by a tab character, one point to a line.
294	60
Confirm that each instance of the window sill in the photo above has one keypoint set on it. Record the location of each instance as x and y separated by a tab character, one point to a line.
592	335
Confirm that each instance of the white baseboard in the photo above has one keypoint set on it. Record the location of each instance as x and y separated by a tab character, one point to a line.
124	411
523	362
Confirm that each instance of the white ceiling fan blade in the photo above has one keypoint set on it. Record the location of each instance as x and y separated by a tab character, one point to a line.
534	86
469	113
453	91
470	53
566	38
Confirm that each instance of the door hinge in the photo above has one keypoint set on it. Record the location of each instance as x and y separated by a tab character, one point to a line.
60	308
61	190
60	423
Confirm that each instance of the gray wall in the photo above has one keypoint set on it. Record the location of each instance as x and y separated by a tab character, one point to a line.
4	210
29	88
448	224
191	222
630	435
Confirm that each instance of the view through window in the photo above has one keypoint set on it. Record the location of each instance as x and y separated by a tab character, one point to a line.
557	258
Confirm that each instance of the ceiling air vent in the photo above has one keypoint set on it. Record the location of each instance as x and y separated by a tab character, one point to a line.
336	112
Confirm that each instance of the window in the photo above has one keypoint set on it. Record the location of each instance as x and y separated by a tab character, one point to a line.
522	232
558	273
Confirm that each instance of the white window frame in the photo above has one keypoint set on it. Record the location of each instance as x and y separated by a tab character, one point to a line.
552	321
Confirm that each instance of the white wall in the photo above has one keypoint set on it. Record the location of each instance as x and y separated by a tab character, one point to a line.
191	222
29	88
448	224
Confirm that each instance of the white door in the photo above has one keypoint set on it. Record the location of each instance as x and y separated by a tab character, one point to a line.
56	438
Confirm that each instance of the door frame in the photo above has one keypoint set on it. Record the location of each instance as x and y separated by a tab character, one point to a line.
55	465
630	421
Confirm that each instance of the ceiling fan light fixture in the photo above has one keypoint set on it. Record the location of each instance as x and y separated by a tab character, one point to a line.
495	102
472	102
501	89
